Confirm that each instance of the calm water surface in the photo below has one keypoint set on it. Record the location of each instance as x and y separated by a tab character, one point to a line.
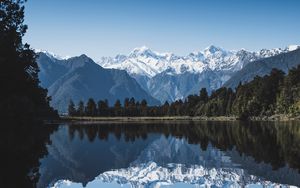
174	154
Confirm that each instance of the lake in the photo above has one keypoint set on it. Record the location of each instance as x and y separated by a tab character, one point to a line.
168	154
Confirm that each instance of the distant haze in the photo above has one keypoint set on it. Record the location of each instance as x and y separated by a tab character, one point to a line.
106	27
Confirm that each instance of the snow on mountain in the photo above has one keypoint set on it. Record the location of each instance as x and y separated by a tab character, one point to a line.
51	55
144	61
141	61
167	76
153	175
293	47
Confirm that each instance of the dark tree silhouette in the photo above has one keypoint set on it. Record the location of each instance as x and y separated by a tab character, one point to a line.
103	108
21	96
80	110
118	108
91	108
203	95
71	108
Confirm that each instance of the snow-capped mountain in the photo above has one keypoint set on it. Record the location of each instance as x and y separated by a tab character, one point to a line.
144	61
166	76
153	175
52	55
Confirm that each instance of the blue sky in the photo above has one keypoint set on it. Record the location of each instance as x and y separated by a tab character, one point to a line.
109	27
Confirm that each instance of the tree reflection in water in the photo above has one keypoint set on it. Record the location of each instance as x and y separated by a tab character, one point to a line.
22	144
276	143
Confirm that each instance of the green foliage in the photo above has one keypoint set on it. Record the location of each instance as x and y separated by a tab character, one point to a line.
218	104
288	99
258	97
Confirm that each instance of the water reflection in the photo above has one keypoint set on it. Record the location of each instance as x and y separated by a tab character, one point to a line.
269	142
269	151
179	153
22	144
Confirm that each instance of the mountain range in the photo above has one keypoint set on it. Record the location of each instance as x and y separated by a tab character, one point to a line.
156	77
169	77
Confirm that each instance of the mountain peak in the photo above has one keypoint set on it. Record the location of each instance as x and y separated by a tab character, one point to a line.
83	56
213	49
293	47
51	55
142	51
79	61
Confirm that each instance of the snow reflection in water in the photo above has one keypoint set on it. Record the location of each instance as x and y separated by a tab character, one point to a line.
150	156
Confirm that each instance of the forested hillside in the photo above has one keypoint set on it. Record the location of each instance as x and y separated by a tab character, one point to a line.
275	93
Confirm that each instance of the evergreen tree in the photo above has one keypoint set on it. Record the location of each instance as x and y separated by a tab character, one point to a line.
203	95
103	108
132	107
106	103
126	106
91	109
118	108
118	104
21	95
144	108
288	99
71	108
138	108
80	109
165	108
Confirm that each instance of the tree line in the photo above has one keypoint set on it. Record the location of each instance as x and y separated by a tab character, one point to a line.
276	93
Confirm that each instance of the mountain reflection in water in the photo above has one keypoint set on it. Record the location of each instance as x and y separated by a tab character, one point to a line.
269	151
174	153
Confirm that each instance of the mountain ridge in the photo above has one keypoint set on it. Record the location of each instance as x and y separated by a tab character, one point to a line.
166	76
79	78
209	56
284	62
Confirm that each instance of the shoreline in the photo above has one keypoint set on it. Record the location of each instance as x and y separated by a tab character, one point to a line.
174	118
137	119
